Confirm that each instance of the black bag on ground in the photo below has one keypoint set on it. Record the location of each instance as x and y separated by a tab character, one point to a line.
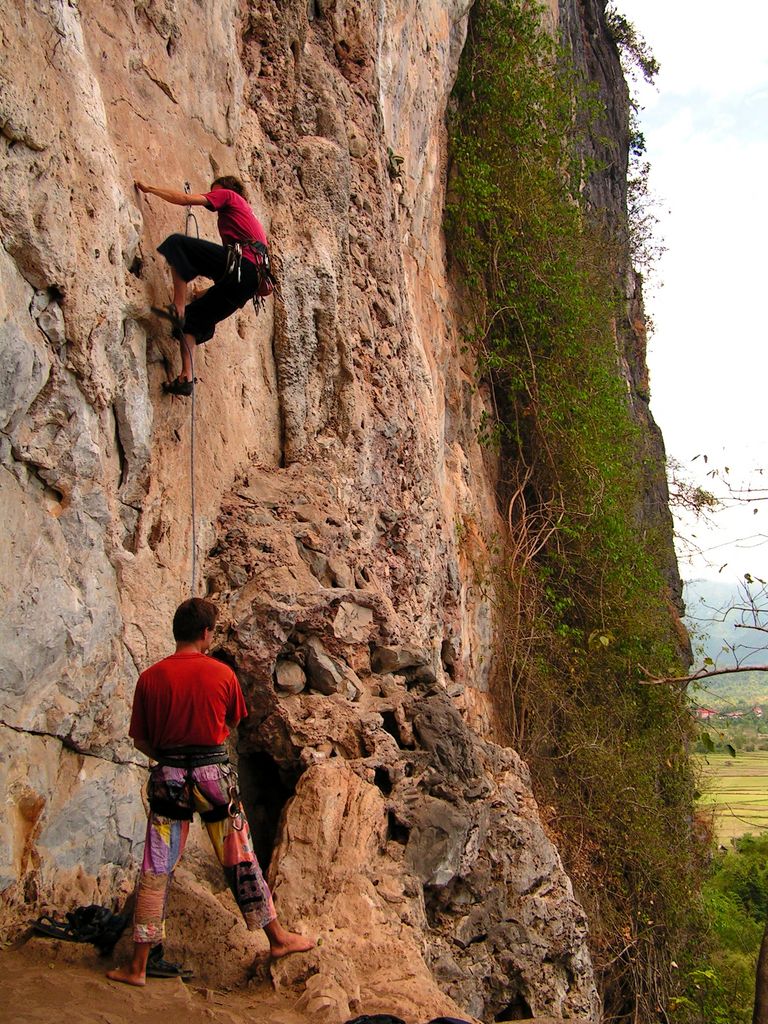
97	925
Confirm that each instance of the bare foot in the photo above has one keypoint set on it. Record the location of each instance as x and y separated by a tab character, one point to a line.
126	975
290	942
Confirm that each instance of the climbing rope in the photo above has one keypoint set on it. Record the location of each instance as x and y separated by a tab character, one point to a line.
190	217
192	476
189	220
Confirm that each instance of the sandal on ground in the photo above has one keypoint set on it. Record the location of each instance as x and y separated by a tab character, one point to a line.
47	925
179	387
159	967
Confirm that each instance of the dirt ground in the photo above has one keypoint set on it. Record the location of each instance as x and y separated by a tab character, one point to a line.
44	980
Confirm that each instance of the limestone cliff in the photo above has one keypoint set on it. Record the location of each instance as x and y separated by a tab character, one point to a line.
583	28
335	453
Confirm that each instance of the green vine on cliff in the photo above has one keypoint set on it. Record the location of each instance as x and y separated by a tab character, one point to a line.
543	279
634	51
578	589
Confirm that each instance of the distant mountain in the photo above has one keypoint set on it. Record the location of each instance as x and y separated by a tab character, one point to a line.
713	615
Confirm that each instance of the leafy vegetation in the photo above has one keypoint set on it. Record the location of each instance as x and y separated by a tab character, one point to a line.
577	583
718	983
634	50
636	56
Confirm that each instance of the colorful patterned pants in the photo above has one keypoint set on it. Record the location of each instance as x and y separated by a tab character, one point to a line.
174	795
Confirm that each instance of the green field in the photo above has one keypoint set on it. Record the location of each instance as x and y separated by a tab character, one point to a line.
738	789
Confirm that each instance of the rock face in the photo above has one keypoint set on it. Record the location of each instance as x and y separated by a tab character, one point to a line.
342	499
583	26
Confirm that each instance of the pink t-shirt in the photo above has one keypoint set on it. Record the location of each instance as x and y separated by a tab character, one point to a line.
237	221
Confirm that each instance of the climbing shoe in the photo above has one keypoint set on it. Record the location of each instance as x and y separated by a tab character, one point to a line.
178	387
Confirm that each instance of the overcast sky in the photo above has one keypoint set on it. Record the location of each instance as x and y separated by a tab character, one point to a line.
706	129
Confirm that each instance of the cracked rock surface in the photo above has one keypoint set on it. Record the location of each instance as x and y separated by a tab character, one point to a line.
345	511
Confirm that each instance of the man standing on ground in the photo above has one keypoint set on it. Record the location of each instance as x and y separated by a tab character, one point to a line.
182	712
239	267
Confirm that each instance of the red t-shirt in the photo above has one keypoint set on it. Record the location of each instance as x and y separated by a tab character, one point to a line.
236	220
185	701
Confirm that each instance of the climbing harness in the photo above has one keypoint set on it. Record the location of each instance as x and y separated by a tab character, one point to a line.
189	758
265	278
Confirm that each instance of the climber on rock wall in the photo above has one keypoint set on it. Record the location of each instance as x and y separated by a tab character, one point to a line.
239	267
183	709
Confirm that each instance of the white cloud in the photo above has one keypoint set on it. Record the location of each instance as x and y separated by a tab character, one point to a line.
702	46
707	134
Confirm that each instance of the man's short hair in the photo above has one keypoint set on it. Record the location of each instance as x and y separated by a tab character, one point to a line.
231	182
192	618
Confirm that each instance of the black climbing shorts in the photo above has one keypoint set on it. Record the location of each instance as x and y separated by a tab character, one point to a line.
196	257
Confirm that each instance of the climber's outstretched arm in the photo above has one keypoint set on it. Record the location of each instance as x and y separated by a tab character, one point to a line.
170	195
